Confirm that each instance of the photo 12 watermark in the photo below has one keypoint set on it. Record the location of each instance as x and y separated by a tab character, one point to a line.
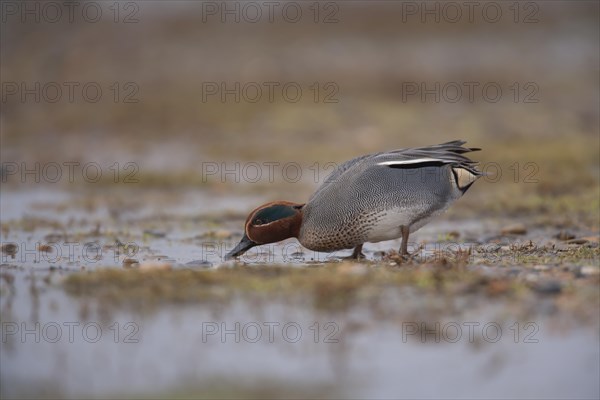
69	92
469	92
294	172
269	332
454	12
69	332
252	12
68	172
269	91
54	251
52	12
469	332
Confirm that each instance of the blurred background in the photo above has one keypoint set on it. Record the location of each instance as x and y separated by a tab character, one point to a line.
196	112
364	72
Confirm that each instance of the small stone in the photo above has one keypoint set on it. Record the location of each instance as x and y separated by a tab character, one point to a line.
54	237
532	278
10	248
497	287
155	233
592	239
352	268
588	270
155	265
199	263
45	248
130	263
541	267
8	278
514	229
548	287
577	241
490	248
564	235
221	234
561	247
453	235
512	272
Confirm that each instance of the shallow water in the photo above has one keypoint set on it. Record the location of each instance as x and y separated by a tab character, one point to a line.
186	347
57	344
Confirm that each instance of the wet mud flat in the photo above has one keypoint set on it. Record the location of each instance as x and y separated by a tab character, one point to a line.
104	301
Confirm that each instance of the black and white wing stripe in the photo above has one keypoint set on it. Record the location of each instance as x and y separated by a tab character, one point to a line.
463	168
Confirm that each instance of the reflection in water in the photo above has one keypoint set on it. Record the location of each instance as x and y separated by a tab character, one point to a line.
75	349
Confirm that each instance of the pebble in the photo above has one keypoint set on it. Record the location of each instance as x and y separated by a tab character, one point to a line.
577	241
514	229
9	278
218	234
352	268
155	265
453	234
10	249
497	287
564	235
592	241
158	257
199	263
489	248
223	234
54	237
541	267
548	287
45	248
155	233
561	247
588	270
531	278
130	263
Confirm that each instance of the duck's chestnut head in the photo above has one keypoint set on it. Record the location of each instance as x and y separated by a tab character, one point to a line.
269	223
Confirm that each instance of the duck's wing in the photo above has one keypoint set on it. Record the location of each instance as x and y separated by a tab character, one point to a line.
445	153
340	170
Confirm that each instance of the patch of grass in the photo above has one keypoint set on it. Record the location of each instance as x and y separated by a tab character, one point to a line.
333	287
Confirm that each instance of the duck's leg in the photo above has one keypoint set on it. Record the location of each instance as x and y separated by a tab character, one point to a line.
405	230
357	254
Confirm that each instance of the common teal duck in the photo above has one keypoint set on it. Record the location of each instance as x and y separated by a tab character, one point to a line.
371	198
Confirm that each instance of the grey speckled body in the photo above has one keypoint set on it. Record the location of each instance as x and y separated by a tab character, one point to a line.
371	198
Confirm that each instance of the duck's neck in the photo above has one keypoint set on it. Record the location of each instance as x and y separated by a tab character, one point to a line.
296	224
